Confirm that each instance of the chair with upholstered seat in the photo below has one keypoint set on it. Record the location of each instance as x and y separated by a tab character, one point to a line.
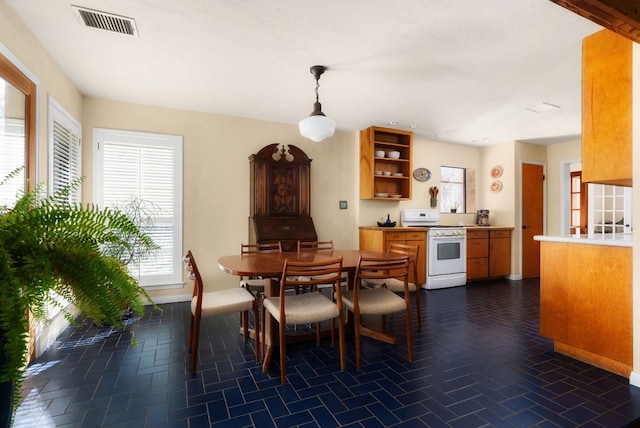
257	284
379	300
397	286
306	308
320	246
205	304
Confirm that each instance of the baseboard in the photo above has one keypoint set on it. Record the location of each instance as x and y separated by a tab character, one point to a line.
175	298
634	379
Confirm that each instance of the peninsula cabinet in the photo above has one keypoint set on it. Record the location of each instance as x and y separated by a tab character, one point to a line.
607	113
488	253
380	239
382	176
586	303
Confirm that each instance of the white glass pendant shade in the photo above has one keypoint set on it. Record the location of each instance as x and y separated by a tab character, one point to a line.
317	127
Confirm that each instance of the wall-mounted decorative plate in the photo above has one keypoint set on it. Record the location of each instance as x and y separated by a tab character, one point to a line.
496	186
496	171
421	174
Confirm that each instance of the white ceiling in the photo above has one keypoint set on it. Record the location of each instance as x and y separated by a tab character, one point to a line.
462	71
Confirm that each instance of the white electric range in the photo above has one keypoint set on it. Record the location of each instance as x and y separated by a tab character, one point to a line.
446	248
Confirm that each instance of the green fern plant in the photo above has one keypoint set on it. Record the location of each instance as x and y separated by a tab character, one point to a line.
49	245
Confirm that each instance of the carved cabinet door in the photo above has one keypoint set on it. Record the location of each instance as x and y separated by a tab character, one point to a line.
280	182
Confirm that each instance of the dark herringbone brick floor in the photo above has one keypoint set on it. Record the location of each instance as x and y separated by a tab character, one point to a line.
479	361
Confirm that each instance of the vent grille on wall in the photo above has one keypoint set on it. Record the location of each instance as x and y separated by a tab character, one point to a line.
106	21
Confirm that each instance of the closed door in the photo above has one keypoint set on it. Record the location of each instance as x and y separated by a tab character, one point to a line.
532	218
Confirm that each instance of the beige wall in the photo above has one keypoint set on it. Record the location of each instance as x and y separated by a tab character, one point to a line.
216	176
500	204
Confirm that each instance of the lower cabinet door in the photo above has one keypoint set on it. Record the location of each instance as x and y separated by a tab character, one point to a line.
477	268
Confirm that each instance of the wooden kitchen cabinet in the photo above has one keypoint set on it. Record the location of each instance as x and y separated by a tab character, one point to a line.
380	239
477	254
499	253
488	253
396	184
607	114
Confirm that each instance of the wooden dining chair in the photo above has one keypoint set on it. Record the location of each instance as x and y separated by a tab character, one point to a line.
320	246
379	300
256	284
315	245
306	308
216	303
396	285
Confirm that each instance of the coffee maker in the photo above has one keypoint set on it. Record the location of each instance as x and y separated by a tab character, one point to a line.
482	217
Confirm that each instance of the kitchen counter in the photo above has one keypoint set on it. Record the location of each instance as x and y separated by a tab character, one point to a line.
617	240
413	228
395	228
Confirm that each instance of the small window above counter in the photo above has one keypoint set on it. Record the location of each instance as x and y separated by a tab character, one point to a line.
385	163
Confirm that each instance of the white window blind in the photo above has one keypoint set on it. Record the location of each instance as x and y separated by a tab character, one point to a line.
141	168
12	154
64	166
64	150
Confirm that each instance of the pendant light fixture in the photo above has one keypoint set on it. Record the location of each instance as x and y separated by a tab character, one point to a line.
317	126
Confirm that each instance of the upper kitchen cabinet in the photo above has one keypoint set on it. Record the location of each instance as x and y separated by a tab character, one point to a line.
385	163
607	132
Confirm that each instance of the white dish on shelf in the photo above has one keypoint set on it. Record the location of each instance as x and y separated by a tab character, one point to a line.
393	155
387	173
395	196
398	174
378	153
377	172
381	195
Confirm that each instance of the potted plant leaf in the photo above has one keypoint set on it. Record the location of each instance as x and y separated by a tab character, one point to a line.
49	246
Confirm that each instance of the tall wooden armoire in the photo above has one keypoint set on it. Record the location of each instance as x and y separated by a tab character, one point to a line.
280	195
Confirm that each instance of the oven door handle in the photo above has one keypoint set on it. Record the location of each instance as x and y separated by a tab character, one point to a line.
437	239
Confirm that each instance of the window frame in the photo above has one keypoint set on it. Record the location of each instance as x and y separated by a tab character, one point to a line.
579	208
11	72
124	137
608	202
462	205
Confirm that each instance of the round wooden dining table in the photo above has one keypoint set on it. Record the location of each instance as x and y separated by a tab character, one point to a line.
270	265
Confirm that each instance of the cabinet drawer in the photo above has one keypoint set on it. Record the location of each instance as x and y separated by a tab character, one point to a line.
477	248
394	236
477	234
500	234
416	236
477	268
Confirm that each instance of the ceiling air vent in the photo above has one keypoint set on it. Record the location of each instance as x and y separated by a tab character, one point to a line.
106	21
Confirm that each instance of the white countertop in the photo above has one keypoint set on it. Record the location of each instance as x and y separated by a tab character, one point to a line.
609	239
